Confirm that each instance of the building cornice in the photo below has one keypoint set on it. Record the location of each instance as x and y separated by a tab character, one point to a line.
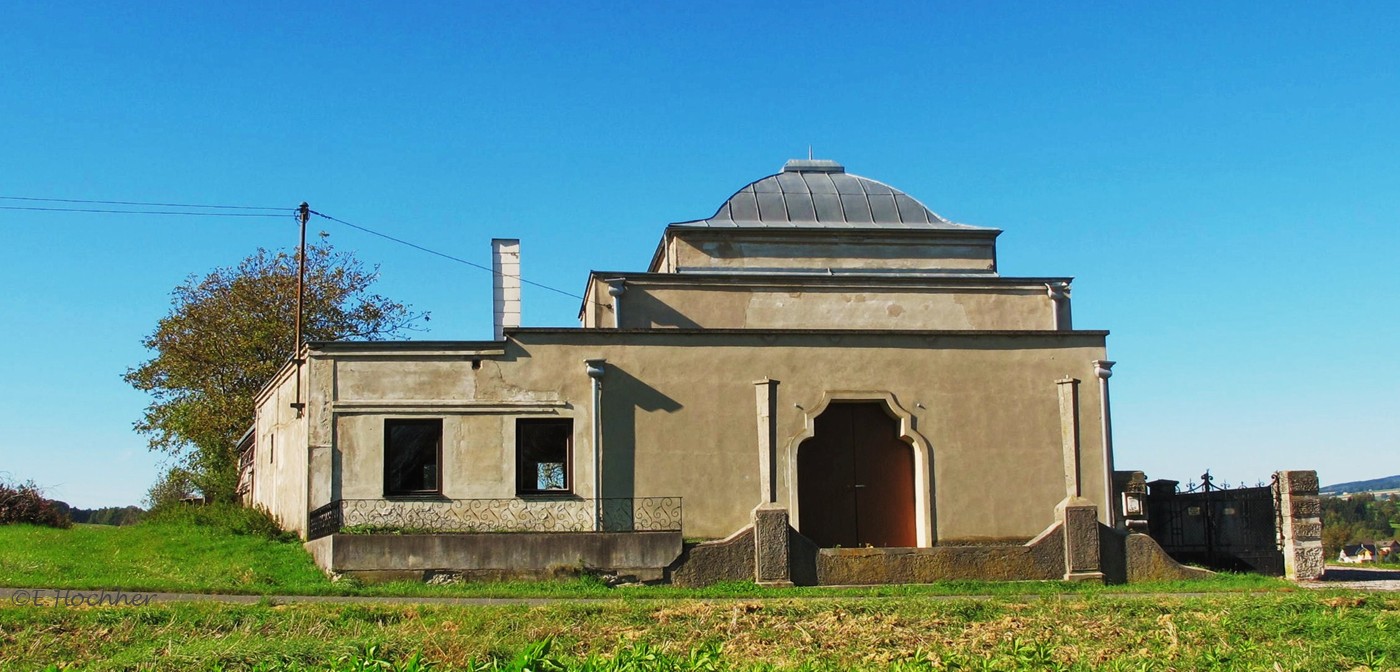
853	280
856	333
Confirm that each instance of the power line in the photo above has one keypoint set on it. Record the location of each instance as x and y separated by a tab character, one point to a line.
147	212
143	203
445	255
271	212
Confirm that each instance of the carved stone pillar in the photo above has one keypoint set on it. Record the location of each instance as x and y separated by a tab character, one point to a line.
1300	524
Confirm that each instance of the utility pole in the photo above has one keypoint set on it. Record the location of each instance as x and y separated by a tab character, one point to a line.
303	214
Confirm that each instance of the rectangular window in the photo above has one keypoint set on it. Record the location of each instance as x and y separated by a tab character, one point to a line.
542	456
412	457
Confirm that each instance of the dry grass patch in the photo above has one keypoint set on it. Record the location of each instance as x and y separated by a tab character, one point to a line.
1295	632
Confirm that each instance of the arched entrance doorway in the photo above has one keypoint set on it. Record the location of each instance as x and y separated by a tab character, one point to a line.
855	479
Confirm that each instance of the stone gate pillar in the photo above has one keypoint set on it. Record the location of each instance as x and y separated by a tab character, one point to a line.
1300	524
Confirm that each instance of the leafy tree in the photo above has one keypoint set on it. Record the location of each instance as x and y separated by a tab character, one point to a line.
227	334
173	488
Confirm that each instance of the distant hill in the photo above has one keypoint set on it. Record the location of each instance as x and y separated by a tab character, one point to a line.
1387	483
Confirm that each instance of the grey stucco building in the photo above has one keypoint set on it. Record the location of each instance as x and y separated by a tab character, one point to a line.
824	351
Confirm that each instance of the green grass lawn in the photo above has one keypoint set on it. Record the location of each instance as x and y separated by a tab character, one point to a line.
179	556
155	557
1224	631
1244	622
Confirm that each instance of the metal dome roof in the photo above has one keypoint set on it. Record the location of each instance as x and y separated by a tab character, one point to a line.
816	193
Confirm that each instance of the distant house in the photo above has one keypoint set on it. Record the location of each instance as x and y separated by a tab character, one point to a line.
1388	551
1358	553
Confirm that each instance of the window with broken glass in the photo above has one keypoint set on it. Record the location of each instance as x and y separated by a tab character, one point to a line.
542	456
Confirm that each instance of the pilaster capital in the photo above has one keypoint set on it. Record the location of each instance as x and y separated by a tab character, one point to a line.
596	368
1103	368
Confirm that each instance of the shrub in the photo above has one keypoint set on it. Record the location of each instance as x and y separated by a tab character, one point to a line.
25	503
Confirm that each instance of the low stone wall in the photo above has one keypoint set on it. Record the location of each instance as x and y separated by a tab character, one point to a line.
729	559
732	559
1134	557
1124	557
1041	559
488	556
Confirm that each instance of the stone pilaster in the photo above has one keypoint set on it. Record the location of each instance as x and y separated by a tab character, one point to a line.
1103	370
616	288
596	369
1069	434
1059	302
1079	518
766	403
1300	524
772	564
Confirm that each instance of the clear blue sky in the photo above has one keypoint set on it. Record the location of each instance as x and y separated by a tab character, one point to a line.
1220	178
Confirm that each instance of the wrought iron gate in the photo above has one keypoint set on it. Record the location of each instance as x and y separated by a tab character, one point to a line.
1223	528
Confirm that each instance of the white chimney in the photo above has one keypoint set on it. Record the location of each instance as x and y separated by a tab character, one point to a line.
505	269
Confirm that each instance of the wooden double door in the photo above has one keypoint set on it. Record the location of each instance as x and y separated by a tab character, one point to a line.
855	479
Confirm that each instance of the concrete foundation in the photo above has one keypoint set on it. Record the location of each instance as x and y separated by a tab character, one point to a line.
642	556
